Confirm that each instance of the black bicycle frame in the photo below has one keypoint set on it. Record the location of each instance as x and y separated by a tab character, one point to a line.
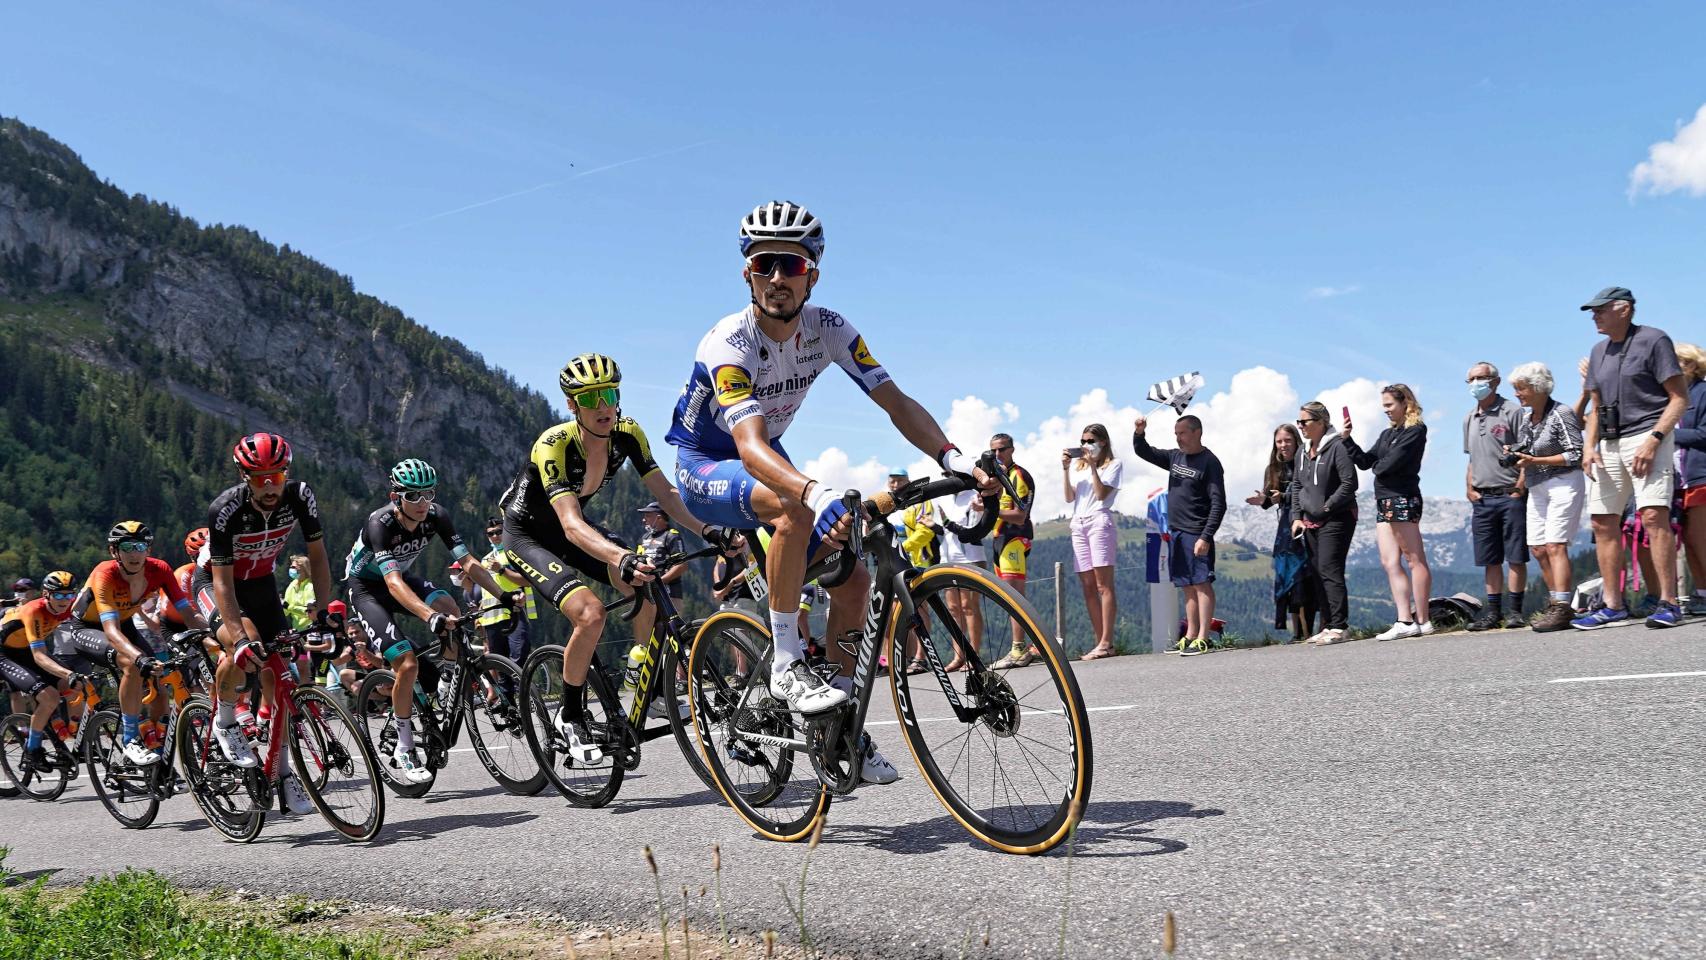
667	627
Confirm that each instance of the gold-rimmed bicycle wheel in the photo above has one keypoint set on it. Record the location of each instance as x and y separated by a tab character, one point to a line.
1006	751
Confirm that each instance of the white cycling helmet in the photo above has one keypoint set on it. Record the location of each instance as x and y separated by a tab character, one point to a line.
782	220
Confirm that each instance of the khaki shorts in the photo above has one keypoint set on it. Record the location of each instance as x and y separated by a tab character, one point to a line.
1614	481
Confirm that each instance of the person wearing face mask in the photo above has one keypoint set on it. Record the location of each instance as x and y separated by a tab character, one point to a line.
299	593
1497	491
1091	477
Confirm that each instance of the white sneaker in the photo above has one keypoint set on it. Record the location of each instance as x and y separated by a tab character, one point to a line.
1397	631
139	755
582	748
235	746
1329	637
295	797
877	768
1424	629
659	709
407	768
803	689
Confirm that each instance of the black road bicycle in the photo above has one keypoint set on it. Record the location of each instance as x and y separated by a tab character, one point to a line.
1007	752
80	703
486	699
618	729
133	794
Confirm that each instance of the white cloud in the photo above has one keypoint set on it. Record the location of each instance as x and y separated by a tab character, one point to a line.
1238	424
1675	164
1326	293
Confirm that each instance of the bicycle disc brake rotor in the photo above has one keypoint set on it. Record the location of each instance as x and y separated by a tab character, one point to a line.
997	704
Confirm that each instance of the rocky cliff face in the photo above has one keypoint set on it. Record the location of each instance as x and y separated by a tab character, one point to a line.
257	335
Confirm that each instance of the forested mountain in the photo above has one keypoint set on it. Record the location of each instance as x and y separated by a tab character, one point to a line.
136	345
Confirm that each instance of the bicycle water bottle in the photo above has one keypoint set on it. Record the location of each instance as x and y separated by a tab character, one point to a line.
637	656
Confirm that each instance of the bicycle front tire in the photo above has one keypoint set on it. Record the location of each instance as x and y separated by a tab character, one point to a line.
336	765
1038	720
128	795
728	673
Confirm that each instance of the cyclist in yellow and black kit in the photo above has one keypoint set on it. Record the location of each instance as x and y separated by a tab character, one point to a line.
547	533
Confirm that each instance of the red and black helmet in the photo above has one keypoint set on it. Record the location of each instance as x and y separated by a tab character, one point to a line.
195	540
262	453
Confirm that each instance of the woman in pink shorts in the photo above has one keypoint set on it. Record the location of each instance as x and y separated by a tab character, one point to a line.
1091	476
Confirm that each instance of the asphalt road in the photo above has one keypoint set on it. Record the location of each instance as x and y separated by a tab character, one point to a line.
1437	797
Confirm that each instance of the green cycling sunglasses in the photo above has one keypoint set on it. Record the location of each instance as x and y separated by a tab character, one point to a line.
598	397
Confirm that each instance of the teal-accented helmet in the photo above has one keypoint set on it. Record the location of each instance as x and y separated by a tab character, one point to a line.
412	474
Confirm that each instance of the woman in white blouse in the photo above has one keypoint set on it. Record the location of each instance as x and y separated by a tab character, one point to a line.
1091	476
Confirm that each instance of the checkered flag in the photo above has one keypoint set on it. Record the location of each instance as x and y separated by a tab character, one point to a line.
1177	392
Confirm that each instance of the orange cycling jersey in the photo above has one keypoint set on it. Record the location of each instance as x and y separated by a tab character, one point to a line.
169	613
30	625
107	595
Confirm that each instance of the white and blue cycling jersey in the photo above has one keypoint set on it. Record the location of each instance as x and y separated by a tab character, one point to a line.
739	373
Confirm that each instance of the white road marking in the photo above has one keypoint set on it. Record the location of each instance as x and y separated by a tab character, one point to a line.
1027	713
1632	676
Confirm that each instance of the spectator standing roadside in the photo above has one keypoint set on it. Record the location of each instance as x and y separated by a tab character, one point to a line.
1295	585
507	632
1196	503
1496	489
1091	477
965	524
1396	461
1548	450
1324	511
1639	396
1013	532
298	593
661	540
1691	440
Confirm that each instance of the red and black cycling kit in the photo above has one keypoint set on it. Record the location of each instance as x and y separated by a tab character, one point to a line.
242	536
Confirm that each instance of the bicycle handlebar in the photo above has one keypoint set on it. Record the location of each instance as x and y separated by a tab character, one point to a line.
663	566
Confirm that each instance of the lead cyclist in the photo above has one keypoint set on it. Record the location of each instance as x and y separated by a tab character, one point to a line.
750	374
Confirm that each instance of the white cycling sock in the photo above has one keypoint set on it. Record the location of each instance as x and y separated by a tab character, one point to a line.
405	734
785	627
227	714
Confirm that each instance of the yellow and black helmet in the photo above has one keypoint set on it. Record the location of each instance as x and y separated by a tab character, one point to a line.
59	581
129	531
587	371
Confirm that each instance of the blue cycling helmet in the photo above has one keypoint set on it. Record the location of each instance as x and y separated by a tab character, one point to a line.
782	220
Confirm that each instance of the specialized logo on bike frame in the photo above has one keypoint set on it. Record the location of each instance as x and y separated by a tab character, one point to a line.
732	385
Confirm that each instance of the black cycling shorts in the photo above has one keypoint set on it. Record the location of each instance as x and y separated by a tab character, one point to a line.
257	598
21	672
376	610
550	561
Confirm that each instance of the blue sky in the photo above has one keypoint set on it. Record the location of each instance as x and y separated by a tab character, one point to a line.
1023	204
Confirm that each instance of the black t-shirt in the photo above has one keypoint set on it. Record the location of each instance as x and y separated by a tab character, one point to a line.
1196	487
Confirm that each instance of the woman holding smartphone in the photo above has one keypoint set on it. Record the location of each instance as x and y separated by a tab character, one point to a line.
1090	475
1396	460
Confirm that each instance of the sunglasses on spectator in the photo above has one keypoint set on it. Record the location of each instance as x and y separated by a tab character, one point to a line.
1308	421
419	496
62	597
598	397
132	546
791	264
274	479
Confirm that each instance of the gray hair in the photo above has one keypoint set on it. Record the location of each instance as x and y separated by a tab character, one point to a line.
1493	370
1536	375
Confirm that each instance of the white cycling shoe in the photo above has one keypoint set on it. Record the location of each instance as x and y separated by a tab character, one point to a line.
407	768
804	690
139	755
295	797
234	746
582	748
877	768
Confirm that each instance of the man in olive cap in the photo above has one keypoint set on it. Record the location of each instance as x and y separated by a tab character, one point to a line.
1639	394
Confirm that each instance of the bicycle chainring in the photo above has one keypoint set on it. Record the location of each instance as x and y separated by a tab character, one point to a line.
834	750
